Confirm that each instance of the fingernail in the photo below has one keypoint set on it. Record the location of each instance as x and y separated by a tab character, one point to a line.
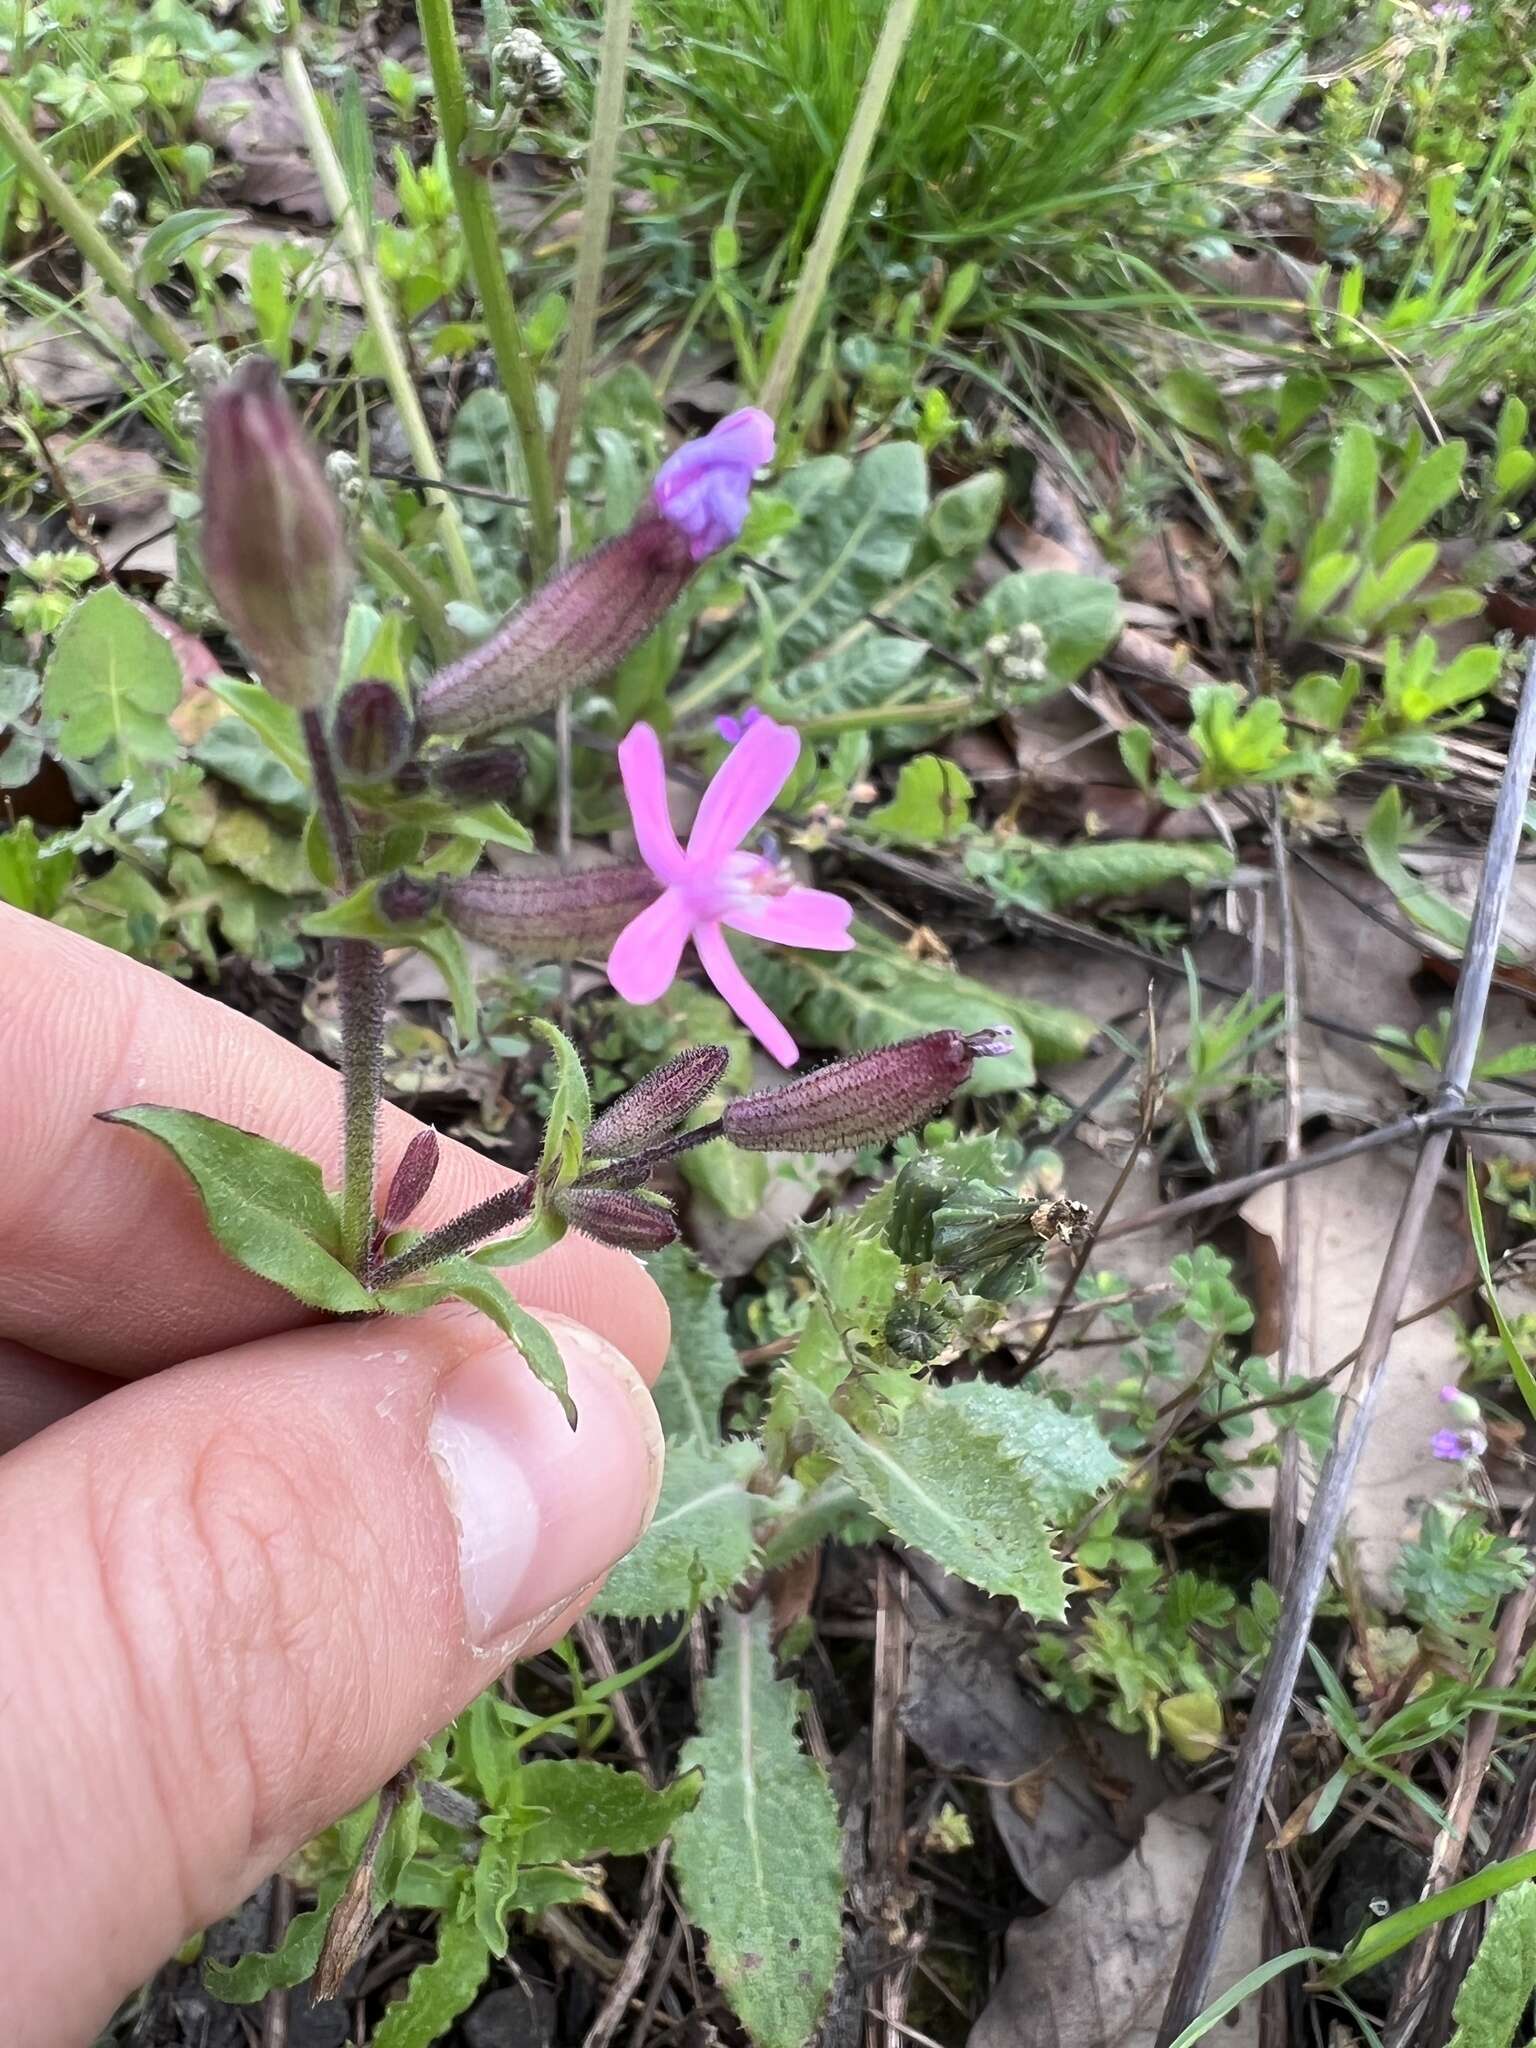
543	1510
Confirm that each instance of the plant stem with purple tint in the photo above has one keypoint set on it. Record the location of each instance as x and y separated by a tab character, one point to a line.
360	997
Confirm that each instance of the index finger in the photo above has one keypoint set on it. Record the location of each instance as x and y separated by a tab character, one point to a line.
105	1256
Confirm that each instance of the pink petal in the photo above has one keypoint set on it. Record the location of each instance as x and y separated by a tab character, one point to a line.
643	963
740	994
745	785
800	917
645	787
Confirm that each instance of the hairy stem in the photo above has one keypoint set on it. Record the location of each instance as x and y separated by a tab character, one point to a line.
381	321
360	995
93	245
596	213
466	1231
851	165
482	244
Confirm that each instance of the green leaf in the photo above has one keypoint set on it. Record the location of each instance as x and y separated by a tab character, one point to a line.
291	1962
1492	2000
1320	585
587	1810
236	753
358	917
1351	508
111	685
700	1542
869	997
963	1499
1380	591
932	804
1063	1456
1042	877
701	1360
759	1860
1382	1938
1429	485
465	1279
266	1206
438	1991
961	519
34	873
1385	834
851	547
1509	1343
1079	617
570	1106
168	241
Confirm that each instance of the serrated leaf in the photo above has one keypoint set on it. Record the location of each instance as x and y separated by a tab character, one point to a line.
438	1991
961	1499
932	804
111	685
759	1858
465	1279
1063	1457
700	1542
290	1963
701	1359
587	1810
265	1205
869	997
1497	1988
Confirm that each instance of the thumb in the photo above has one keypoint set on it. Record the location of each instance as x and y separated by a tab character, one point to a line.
236	1597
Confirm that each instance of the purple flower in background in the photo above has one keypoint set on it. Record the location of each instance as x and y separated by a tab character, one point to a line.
702	487
733	729
1458	1446
713	885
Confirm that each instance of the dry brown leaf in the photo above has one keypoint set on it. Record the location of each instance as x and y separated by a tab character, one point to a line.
112	484
252	121
1348	1213
1172	568
967	1710
67	358
1094	1971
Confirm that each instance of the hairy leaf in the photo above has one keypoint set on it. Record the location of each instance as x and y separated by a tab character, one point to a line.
1078	616
759	1858
438	1991
701	1360
291	1962
111	684
267	1206
1060	877
1063	1457
932	803
465	1279
587	1810
962	1498
1497	1989
700	1541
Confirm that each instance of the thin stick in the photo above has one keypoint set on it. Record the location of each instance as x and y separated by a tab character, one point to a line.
1255	1762
596	215
482	245
274	2007
380	315
1284	1519
851	165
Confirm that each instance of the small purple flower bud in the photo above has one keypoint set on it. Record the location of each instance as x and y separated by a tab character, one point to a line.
487	775
634	1222
733	730
702	488
657	1104
866	1100
413	1177
372	730
407	899
573	631
536	913
1456	1446
1464	1407
274	548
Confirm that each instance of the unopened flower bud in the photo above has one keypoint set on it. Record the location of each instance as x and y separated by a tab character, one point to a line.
373	730
487	775
634	1222
407	899
525	56
918	1330
206	366
119	215
921	1189
273	546
1464	1408
580	626
658	1104
866	1100
413	1177
537	913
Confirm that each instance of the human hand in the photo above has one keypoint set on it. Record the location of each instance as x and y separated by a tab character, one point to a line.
246	1566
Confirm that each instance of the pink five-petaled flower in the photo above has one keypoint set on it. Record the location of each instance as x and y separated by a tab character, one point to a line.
702	487
713	884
